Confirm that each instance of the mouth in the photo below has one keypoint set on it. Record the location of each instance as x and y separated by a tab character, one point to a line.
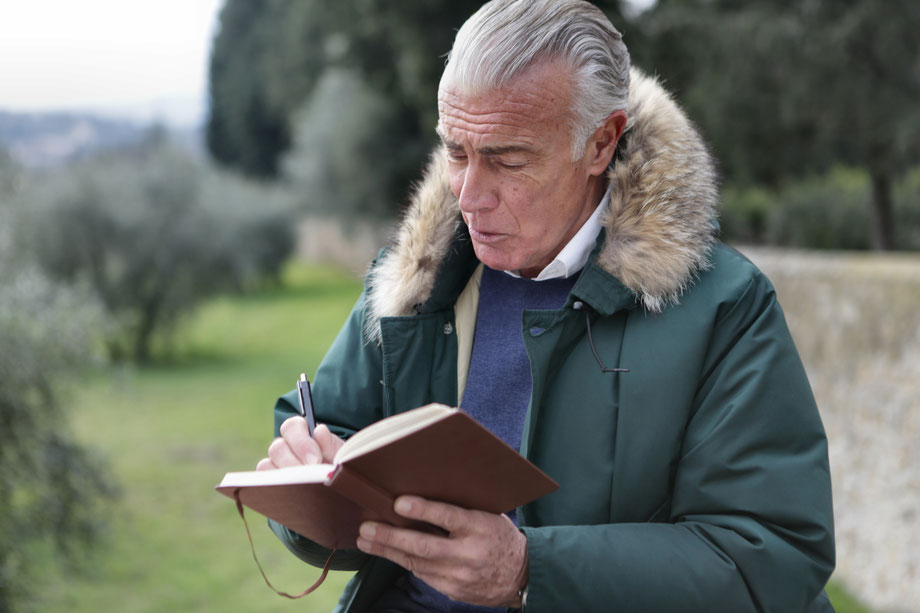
483	236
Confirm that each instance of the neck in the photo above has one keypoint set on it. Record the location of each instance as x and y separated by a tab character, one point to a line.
597	187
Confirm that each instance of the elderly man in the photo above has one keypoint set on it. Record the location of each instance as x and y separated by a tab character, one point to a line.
557	276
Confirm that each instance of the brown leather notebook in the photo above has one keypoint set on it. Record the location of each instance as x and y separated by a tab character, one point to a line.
434	451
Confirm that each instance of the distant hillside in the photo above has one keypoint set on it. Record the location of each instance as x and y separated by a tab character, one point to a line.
46	139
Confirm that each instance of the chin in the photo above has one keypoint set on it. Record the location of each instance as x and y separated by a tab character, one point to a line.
495	261
498	265
499	259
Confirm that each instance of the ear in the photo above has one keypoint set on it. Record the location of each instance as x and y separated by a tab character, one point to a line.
603	143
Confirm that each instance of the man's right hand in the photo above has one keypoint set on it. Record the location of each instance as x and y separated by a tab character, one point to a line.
295	446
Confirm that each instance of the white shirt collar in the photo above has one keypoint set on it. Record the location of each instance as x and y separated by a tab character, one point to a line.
574	255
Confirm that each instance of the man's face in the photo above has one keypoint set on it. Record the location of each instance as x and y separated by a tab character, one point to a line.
510	166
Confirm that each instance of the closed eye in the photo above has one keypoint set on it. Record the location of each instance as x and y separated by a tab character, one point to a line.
456	158
455	153
510	164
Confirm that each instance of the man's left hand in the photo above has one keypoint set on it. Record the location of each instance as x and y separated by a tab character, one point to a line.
482	560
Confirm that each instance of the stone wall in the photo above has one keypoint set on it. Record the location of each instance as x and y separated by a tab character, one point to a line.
326	240
856	321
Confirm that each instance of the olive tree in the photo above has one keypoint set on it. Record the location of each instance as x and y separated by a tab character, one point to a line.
53	492
153	232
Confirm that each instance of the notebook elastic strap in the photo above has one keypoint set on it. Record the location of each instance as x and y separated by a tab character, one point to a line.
322	577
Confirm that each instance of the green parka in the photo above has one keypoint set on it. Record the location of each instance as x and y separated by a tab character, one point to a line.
696	481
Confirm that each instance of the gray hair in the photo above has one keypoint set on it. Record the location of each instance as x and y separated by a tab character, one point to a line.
505	37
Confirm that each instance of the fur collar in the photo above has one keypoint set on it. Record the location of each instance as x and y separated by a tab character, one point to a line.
659	228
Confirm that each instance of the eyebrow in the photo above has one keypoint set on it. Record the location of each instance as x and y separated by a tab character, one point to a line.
504	149
488	149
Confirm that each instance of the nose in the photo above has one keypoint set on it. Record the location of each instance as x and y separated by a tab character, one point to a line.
477	190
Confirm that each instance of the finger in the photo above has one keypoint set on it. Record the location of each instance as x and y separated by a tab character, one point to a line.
410	542
439	574
281	455
413	565
432	572
328	442
295	433
436	571
440	514
265	464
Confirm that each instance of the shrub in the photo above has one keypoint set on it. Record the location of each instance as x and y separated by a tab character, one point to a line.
831	211
53	492
153	232
907	211
745	214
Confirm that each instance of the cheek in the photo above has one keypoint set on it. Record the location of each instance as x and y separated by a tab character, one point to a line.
455	179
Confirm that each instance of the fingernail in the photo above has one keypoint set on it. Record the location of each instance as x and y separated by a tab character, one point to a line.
363	545
312	458
368	530
403	506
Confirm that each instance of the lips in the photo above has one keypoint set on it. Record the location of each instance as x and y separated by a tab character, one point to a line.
484	236
483	230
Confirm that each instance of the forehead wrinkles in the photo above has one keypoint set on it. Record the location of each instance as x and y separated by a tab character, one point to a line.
516	113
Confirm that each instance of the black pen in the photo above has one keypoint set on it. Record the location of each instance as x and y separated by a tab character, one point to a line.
305	398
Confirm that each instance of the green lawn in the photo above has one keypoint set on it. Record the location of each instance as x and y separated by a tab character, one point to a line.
171	431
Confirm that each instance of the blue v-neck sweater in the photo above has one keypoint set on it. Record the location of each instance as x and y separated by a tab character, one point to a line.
498	386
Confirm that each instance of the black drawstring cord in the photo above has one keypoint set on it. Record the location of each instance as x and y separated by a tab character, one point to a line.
579	306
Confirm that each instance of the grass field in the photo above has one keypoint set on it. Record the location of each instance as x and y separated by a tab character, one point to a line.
171	431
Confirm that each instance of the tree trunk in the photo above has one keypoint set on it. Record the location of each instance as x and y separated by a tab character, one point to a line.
150	316
882	212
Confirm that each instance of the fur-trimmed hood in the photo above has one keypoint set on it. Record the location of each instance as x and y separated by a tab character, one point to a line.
659	227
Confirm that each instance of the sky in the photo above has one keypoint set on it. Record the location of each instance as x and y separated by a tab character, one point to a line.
140	59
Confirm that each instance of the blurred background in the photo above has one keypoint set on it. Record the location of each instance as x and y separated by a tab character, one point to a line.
190	190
